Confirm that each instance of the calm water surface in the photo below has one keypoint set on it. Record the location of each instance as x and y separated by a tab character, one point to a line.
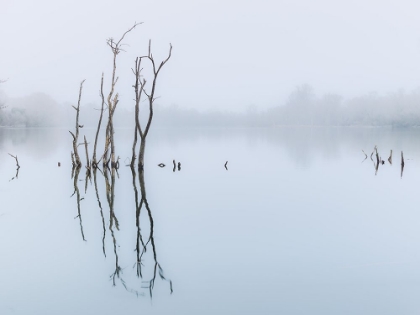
298	224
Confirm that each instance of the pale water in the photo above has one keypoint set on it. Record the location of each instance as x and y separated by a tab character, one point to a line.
297	224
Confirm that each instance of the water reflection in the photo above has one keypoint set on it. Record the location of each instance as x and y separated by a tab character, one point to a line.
75	176
147	265
100	208
141	246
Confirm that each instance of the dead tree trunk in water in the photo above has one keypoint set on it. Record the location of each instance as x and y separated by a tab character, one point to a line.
138	89
151	99
94	162
112	101
77	163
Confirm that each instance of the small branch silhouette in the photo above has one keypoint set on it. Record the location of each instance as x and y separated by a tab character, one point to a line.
17	166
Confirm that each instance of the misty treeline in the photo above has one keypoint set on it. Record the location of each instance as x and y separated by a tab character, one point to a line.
302	107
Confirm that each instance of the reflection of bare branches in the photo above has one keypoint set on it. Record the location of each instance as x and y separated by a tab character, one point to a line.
88	166
142	243
113	222
117	266
139	238
110	189
376	167
87	179
379	160
75	174
100	207
146	284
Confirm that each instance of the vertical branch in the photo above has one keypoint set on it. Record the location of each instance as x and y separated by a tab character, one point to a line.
138	90
151	98
94	162
76	161
112	100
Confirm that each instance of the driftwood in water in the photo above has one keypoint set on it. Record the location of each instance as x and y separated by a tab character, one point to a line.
76	159
17	166
402	163
179	166
390	158
174	165
227	163
16	159
402	159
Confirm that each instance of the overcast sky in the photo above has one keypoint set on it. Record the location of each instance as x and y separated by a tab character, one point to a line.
226	54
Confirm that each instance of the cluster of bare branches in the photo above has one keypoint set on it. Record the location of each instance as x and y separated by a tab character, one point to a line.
142	88
110	161
377	160
139	89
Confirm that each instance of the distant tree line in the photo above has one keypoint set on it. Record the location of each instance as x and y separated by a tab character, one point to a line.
36	110
303	107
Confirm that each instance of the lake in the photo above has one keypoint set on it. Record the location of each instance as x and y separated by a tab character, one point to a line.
299	223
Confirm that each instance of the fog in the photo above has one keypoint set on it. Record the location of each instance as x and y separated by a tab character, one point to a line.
303	107
228	55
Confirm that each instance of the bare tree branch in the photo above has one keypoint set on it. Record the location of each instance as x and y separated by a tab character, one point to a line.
76	162
151	98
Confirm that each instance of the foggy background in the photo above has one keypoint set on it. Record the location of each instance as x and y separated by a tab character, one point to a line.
233	63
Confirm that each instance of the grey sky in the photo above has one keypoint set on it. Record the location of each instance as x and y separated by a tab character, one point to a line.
226	55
